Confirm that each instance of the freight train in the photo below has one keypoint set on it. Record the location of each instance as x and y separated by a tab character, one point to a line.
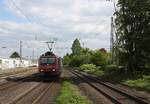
50	64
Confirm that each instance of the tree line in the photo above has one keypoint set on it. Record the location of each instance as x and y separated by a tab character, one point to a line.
133	34
85	57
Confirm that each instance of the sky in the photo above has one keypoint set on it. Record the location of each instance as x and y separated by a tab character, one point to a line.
35	22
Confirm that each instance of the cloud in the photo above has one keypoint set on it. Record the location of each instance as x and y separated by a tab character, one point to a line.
88	20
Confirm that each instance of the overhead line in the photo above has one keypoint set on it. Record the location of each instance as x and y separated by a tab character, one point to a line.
20	10
25	15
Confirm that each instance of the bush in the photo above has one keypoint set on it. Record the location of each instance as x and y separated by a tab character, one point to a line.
92	69
76	61
99	59
66	60
98	72
111	68
99	68
88	67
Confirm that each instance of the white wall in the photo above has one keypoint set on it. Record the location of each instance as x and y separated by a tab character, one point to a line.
7	63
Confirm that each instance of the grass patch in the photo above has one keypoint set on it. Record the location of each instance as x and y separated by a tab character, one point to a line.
97	72
137	81
140	83
70	94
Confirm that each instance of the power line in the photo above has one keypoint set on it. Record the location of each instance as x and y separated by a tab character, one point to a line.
28	19
21	11
26	16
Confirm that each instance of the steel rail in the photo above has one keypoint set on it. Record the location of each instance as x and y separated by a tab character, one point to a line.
85	77
43	93
24	94
8	84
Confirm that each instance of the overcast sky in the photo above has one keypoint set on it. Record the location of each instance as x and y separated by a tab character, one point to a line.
61	20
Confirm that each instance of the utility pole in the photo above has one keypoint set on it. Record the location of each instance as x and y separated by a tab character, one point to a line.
20	53
83	44
112	41
33	55
33	51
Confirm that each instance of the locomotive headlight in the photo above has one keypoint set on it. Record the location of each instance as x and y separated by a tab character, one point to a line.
53	69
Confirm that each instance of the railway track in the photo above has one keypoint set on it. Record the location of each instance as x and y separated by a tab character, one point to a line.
116	95
17	80
27	97
47	95
14	84
32	89
22	95
11	74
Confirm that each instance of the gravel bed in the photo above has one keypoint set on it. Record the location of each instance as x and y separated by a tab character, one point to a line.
87	90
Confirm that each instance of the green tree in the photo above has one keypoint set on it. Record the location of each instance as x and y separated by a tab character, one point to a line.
76	47
15	55
133	32
66	59
76	61
99	58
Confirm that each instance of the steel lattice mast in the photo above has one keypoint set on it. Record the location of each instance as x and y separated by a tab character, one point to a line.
112	41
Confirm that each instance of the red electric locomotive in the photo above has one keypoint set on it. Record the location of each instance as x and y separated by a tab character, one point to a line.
49	63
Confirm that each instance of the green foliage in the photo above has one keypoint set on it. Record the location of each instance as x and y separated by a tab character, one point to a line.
66	60
140	83
76	61
76	47
92	69
15	55
88	67
69	94
99	59
133	29
111	69
84	56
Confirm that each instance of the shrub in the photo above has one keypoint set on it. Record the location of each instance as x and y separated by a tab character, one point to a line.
99	59
111	68
99	68
88	67
92	69
76	61
66	60
98	72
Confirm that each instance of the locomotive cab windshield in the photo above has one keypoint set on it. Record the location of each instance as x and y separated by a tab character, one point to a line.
47	60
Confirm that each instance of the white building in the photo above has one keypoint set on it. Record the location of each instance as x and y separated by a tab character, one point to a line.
7	63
